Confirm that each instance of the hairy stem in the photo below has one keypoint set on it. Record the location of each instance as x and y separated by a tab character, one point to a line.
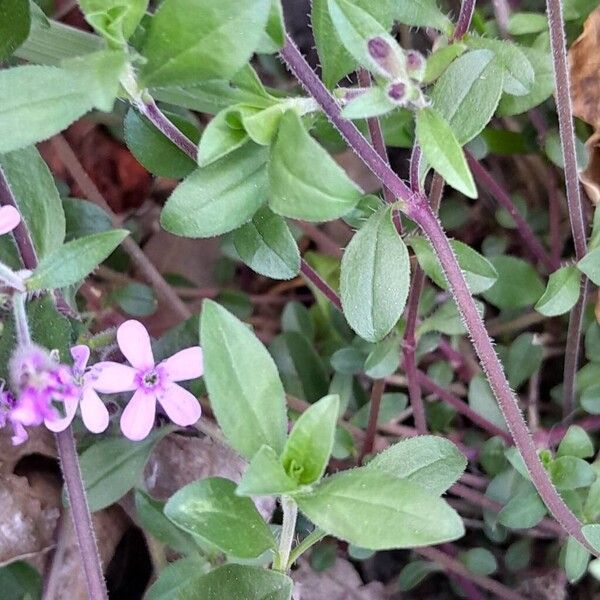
376	395
67	452
80	514
418	209
574	200
10	278
320	284
421	213
148	108
464	19
288	529
488	183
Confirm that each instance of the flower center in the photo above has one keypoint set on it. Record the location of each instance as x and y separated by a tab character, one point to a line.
152	379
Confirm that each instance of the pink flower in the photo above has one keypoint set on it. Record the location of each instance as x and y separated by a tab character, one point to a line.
41	384
150	382
93	412
9	219
7	403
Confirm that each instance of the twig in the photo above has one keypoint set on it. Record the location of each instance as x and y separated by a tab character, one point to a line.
320	284
488	183
146	268
574	199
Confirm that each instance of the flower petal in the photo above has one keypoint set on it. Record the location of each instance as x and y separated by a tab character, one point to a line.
184	365
60	424
93	411
81	355
138	417
9	219
112	377
180	405
134	342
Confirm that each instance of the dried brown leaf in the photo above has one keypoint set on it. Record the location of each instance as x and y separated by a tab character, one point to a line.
179	460
339	582
590	177
584	58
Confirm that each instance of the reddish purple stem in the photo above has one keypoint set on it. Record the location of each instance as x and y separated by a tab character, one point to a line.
464	19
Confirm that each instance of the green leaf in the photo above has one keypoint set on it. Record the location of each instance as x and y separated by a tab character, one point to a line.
590	399
154	151
308	447
355	27
446	319
392	404
375	278
300	366
220	197
421	13
267	246
590	265
522	23
274	36
221	137
75	260
468	92
525	357
305	182
15	22
479	561
576	560
19	580
562	292
478	271
135	299
524	510
440	59
376	510
112	466
571	473
384	359
373	102
265	476
210	510
576	443
116	20
592	534
542	87
415	573
433	463
152	519
518	285
37	198
519	75
244	388
442	150
38	102
193	40
483	402
84	218
231	582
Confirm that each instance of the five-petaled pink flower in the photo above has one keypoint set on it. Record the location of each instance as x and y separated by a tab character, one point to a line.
9	219
93	412
150	382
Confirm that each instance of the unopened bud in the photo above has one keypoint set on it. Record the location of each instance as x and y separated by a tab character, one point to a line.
378	48
415	64
397	91
387	58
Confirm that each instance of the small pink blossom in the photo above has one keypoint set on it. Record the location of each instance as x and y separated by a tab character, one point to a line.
7	403
150	382
9	219
42	386
93	412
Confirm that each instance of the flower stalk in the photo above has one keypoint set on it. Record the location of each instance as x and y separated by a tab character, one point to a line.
288	529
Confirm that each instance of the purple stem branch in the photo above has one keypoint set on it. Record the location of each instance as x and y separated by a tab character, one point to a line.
415	167
464	19
488	183
65	443
419	210
148	108
574	199
320	284
376	395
